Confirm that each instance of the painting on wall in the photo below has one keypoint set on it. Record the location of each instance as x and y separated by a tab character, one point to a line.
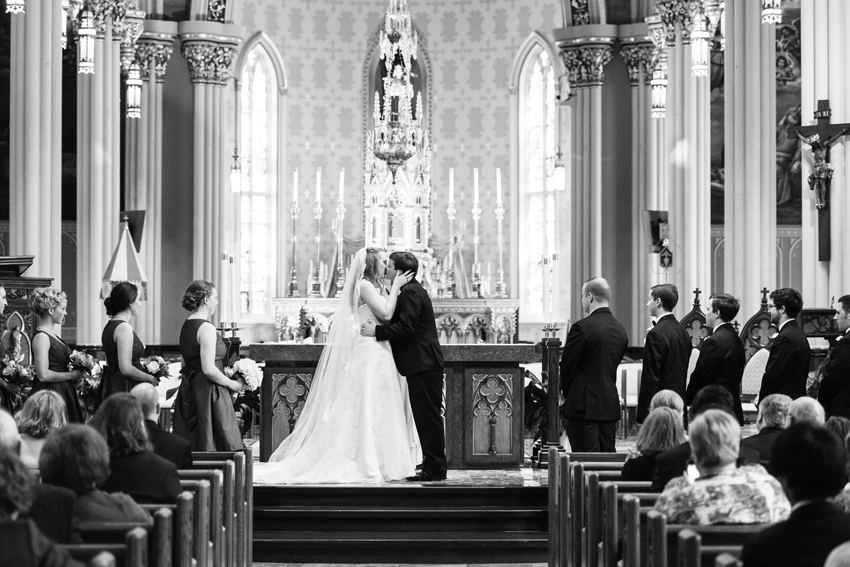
789	179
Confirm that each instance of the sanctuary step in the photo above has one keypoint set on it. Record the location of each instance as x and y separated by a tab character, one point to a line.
401	523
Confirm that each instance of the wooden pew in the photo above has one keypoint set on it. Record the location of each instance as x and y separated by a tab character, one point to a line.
727	560
628	521
615	521
200	489
597	457
103	559
220	493
554	508
133	552
182	531
691	552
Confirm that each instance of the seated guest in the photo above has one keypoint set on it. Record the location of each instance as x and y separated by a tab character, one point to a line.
661	430
839	425
811	464
673	462
136	470
723	493
76	457
667	399
839	557
772	418
806	410
842	500
165	444
52	507
21	543
42	413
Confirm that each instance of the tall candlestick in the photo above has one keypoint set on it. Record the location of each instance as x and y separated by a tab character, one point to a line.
341	183
476	216
223	315
451	185
500	215
450	283
498	185
475	185
294	211
295	186
233	285
318	184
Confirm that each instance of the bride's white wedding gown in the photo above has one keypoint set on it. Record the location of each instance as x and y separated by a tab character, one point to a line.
367	435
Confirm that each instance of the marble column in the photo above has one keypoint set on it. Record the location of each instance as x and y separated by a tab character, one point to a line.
210	48
637	50
750	155
688	140
143	168
585	51
35	164
825	76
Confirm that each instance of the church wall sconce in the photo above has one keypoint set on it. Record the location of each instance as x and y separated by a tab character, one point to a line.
771	12
85	44
134	91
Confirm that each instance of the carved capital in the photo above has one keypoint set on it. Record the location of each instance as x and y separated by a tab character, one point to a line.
156	54
586	64
208	62
640	61
215	10
131	30
677	17
579	12
105	12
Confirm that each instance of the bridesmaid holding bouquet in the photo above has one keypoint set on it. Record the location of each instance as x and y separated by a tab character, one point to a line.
122	346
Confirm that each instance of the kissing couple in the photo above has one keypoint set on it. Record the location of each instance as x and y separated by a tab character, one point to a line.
374	410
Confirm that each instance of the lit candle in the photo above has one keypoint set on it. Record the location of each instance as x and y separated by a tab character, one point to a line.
318	184
475	185
223	291
341	183
499	185
295	186
233	285
451	185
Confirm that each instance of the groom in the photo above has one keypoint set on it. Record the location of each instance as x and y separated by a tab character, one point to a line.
412	332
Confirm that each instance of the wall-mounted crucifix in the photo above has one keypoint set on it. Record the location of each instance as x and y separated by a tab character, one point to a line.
821	137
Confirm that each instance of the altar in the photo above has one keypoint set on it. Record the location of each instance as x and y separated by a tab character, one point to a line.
482	388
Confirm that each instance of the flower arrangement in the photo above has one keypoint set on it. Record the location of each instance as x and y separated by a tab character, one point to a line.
19	376
249	373
156	366
88	386
83	362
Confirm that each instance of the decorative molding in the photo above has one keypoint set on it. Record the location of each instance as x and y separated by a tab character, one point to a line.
580	12
586	63
492	394
108	11
677	16
156	53
289	394
215	10
208	62
129	29
640	61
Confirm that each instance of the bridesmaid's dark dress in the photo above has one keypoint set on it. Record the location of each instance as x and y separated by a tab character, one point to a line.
58	358
203	410
113	381
5	397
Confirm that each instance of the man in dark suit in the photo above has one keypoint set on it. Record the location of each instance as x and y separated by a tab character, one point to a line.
595	346
721	358
412	332
167	445
788	365
772	419
673	462
834	394
811	464
666	351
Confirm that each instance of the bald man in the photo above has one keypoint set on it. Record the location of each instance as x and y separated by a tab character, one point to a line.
594	348
167	445
806	410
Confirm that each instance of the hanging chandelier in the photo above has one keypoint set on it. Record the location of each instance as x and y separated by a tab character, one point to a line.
85	42
771	12
14	6
397	134
134	91
236	172
700	46
658	83
722	25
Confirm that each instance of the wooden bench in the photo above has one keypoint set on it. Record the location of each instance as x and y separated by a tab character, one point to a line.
203	546
727	560
133	552
183	537
691	552
220	521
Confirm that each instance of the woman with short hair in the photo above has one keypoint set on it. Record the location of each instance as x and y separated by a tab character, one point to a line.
722	492
661	430
42	413
667	399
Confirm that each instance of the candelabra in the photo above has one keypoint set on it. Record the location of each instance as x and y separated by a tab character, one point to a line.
450	278
316	287
340	273
293	291
501	293
476	267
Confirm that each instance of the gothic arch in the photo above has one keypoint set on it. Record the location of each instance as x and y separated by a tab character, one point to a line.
260	38
534	39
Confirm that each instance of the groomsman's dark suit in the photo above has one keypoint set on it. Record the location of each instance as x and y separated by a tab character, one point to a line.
595	346
169	446
721	361
412	332
788	365
666	354
834	393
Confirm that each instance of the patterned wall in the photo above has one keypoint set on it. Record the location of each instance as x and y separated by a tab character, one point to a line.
471	46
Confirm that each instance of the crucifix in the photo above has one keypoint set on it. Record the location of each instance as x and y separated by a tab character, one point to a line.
821	137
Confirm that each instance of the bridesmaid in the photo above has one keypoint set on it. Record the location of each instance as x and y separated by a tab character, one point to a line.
7	391
50	353
121	345
203	410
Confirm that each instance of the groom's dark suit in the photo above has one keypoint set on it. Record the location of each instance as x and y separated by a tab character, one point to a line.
412	332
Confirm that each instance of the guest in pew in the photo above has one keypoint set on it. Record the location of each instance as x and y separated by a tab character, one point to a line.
51	355
839	425
662	430
52	507
811	464
839	557
674	462
721	493
666	350
594	348
834	392
667	399
788	364
77	457
842	500
122	346
42	413
771	420
167	445
806	410
136	469
21	542
721	360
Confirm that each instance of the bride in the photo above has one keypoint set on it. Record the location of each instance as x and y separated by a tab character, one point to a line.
357	425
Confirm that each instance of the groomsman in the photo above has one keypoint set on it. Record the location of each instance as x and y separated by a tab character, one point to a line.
666	351
594	348
834	393
721	358
788	365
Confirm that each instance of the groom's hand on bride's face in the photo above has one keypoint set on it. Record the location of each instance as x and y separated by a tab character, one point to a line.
367	329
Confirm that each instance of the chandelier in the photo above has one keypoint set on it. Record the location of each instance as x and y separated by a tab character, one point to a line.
771	12
134	91
397	134
700	47
14	6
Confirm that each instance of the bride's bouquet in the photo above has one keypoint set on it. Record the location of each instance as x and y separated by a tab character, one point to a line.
17	374
88	386
249	373
156	366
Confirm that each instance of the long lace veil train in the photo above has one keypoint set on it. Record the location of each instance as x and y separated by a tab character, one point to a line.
329	379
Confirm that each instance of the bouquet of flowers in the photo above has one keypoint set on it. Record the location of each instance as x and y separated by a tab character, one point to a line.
156	366
88	386
18	375
249	373
83	362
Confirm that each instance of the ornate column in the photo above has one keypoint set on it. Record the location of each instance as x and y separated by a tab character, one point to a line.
143	167
35	191
585	51
637	50
824	76
688	138
750	155
210	47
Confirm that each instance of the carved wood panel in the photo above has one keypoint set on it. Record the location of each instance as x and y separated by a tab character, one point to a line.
492	414
289	393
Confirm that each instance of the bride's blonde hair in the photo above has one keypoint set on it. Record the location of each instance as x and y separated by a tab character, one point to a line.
370	271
